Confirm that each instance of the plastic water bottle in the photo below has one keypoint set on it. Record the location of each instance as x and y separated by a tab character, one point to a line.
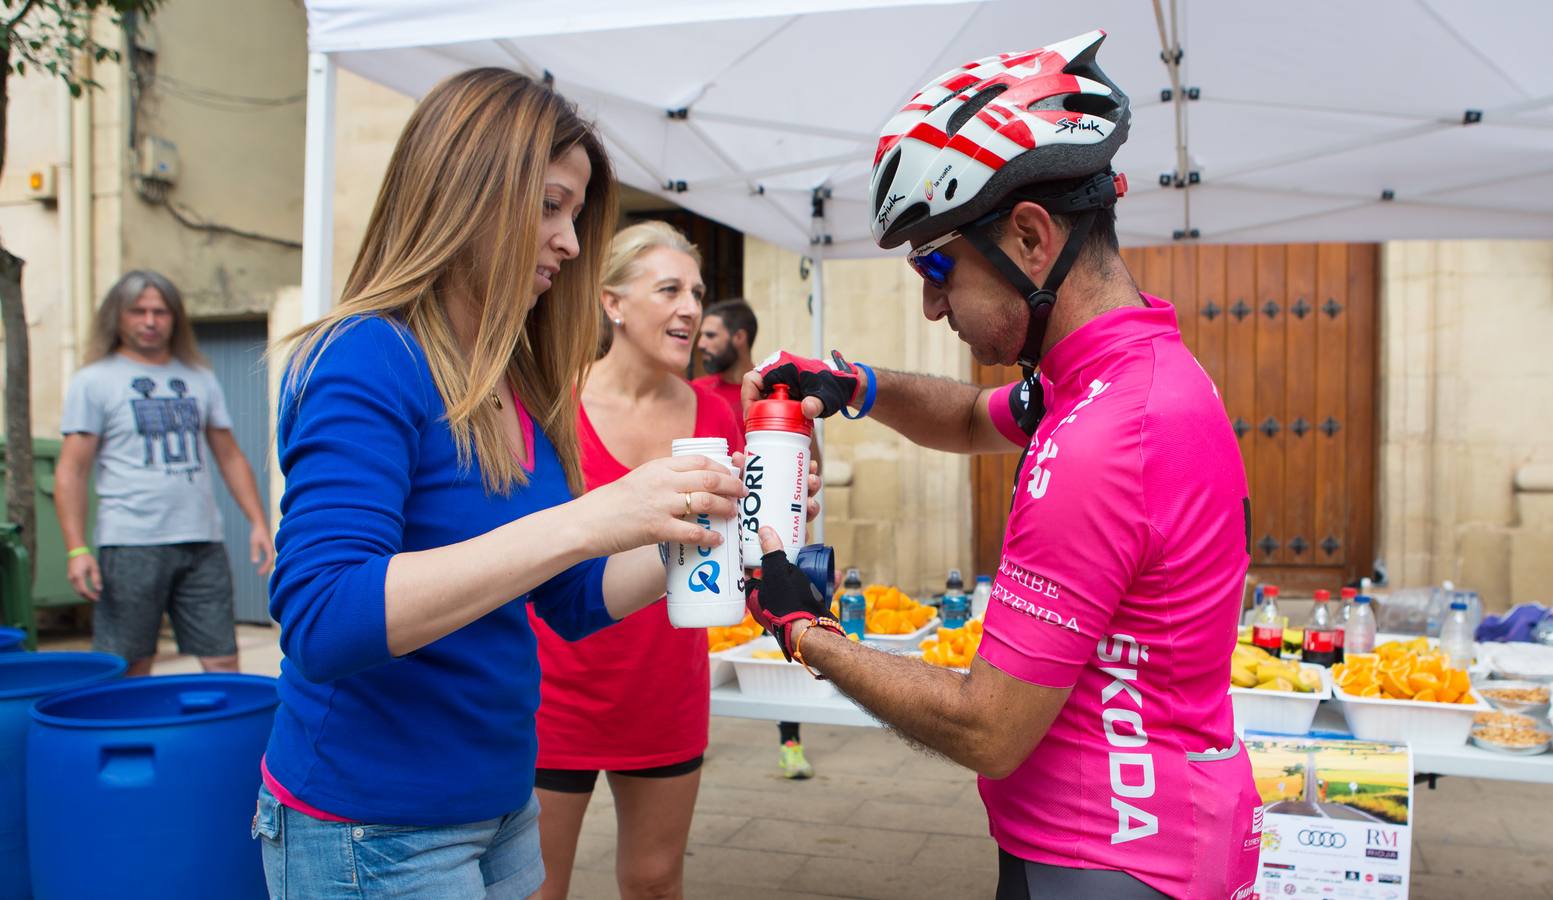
705	585
1267	628
1359	632
854	606
1344	613
956	606
981	596
776	472
1456	633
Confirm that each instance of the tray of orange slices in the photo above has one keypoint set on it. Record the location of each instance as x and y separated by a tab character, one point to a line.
953	648
722	638
892	617
1406	692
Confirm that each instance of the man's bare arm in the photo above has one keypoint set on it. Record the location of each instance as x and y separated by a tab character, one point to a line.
987	721
930	411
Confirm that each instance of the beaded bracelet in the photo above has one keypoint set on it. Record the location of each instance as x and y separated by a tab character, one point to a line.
824	622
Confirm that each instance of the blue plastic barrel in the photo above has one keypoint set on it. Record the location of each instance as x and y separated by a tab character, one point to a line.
146	788
25	677
12	639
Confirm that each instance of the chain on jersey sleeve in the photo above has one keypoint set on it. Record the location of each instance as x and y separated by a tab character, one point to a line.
1077	537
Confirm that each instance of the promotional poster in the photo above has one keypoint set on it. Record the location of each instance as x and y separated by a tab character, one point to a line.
1336	817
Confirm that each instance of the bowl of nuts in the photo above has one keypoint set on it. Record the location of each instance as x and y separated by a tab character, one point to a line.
1526	697
1505	732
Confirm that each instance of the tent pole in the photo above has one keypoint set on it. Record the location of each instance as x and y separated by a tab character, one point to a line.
817	338
318	190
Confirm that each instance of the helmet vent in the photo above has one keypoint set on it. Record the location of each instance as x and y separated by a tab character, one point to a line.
1101	105
914	213
971	107
886	179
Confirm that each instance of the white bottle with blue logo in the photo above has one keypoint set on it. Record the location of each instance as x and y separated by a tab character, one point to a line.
981	597
854	605
956	607
706	584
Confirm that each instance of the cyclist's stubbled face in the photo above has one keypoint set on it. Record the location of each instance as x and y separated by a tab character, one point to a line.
983	309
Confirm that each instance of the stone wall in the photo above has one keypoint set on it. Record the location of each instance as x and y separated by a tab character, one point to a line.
1467	417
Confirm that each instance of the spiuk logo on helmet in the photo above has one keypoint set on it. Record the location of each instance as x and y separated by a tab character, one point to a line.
990	127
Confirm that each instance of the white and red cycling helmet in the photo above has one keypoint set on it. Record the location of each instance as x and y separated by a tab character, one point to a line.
1040	126
982	131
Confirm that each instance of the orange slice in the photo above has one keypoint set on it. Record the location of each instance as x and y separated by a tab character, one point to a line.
1395	684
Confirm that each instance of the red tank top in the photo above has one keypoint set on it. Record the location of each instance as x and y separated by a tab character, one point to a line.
634	695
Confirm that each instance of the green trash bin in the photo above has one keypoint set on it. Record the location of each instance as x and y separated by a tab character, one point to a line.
15	592
51	583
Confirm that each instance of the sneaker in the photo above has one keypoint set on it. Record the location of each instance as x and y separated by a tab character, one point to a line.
793	764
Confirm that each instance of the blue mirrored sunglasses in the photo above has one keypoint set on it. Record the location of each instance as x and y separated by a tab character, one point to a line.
934	266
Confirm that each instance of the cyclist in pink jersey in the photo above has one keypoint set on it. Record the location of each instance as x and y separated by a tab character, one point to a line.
1096	711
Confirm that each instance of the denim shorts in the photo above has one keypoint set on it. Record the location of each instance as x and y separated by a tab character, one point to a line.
309	859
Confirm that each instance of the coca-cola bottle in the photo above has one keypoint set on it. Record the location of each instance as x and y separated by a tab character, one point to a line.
1267	627
1320	644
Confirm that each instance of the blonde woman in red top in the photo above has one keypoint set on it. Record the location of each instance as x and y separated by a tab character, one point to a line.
632	701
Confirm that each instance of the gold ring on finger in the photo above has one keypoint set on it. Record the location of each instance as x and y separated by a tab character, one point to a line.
688	511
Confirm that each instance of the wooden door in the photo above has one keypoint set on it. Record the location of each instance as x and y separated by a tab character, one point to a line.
1288	333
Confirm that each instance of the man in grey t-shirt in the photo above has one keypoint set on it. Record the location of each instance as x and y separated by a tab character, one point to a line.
147	412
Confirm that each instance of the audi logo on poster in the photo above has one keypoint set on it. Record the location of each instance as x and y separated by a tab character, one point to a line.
1335	840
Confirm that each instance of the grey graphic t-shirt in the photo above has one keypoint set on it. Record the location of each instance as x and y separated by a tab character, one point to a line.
153	464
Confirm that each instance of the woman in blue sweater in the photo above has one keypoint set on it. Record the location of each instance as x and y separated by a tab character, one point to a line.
428	438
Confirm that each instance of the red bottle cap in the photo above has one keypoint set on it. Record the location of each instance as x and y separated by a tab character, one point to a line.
1348	593
1323	596
1270	591
777	413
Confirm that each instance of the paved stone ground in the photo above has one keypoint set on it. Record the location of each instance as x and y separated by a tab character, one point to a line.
885	822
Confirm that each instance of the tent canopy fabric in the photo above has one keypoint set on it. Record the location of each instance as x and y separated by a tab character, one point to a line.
1329	120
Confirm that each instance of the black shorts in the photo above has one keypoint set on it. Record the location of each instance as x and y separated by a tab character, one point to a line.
1020	879
581	781
191	583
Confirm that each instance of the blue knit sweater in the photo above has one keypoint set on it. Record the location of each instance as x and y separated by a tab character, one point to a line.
444	735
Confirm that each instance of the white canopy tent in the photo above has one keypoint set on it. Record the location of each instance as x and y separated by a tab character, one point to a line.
1307	117
1328	120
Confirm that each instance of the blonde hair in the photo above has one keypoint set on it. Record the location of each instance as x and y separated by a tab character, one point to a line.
106	340
625	251
468	173
636	241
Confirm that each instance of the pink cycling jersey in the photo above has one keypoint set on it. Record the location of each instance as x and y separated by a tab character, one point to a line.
1121	577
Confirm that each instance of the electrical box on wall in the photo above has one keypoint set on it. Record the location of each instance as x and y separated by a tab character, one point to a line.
43	184
157	160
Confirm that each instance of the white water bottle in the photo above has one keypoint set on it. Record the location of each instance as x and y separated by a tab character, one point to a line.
776	474
1456	633
981	597
1359	631
706	584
